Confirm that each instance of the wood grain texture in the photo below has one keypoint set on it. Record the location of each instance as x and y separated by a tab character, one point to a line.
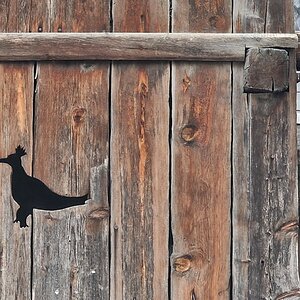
137	46
70	16
16	86
71	156
263	16
140	162
265	226
139	154
201	181
200	207
266	70
201	16
71	258
240	186
15	16
16	90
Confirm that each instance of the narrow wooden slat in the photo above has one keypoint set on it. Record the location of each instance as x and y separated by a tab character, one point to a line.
240	186
201	147
265	206
140	181
16	86
140	163
16	111
137	46
71	257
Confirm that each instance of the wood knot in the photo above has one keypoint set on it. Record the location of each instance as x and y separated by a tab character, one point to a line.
183	263
78	115
189	133
186	82
99	213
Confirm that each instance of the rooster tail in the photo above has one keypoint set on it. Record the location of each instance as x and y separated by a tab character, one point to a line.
73	201
61	202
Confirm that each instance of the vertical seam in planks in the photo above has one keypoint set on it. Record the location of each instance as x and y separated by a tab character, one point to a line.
170	178
170	159
35	86
231	187
109	172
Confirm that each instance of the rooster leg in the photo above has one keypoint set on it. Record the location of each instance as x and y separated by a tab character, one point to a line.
22	214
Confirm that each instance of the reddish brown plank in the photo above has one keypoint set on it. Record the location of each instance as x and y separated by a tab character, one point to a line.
16	92
201	168
70	16
139	154
16	85
72	128
139	162
201	181
71	156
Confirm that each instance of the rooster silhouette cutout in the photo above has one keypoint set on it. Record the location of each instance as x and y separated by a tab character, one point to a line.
30	192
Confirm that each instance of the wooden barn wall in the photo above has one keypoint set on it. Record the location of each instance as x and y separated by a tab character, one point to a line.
192	182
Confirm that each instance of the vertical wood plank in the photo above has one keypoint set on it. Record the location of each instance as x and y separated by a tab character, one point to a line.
240	188
15	16
71	247
140	181
16	86
201	161
16	93
71	133
70	16
140	162
265	206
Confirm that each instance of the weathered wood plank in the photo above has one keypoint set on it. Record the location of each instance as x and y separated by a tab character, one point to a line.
140	181
201	168
16	85
240	186
201	181
15	16
140	163
266	70
71	257
253	16
137	46
70	16
16	92
265	220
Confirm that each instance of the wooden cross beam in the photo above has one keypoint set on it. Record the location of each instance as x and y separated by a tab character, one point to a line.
137	46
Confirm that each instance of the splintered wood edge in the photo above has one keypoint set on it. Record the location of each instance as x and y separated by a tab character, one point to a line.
137	46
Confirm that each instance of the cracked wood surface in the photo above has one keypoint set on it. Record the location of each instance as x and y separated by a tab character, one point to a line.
71	247
201	145
69	259
266	70
265	251
140	162
16	86
71	254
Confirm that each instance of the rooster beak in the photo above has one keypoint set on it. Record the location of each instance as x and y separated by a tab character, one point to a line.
3	160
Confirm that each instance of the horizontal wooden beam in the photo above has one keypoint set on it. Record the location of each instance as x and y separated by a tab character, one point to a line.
136	46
